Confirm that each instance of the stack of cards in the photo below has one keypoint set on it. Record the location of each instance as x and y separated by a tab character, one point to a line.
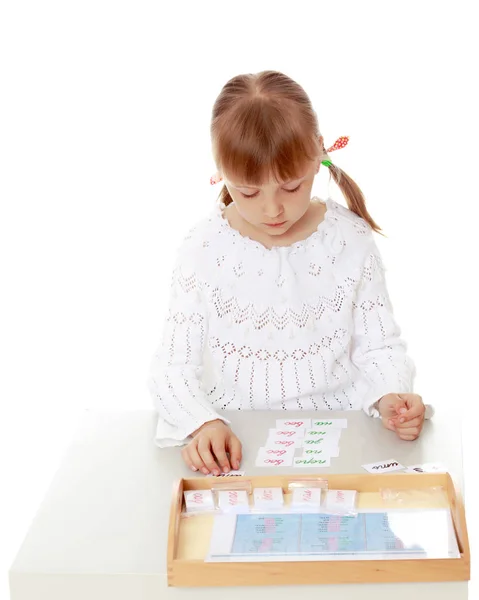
315	441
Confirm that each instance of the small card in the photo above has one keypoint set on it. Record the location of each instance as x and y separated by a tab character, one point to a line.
312	461
231	473
323	443
199	500
281	452
329	423
331	434
274	443
427	468
306	498
286	434
293	423
295	435
385	466
275	457
324	452
341	500
233	501
268	497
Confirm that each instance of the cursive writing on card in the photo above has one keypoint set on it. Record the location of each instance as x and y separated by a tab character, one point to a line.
385	466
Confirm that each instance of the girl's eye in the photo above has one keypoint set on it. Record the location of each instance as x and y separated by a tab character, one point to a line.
256	193
295	189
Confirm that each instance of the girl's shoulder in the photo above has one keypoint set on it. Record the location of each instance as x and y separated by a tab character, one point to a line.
203	235
355	224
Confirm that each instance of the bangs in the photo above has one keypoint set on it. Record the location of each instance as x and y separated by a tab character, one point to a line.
266	146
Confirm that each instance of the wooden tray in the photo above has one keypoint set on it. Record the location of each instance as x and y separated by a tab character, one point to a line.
189	538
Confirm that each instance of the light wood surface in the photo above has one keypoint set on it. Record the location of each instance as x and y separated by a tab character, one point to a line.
189	536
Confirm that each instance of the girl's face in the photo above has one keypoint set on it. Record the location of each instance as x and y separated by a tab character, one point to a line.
274	208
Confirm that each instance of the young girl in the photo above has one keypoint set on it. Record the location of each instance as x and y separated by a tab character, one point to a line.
278	299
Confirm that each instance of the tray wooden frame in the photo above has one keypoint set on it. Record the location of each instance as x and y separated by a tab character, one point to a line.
197	573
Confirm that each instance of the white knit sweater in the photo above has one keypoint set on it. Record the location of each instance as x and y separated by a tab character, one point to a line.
305	327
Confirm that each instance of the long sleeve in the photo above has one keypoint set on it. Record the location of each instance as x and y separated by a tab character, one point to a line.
377	348
177	366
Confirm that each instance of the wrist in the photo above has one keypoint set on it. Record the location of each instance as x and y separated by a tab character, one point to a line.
211	423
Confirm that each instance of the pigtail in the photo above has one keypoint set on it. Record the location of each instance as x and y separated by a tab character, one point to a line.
354	196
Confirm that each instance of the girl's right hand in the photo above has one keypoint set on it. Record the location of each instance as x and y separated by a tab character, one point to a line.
212	441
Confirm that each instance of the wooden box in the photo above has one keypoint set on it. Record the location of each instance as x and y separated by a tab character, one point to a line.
189	539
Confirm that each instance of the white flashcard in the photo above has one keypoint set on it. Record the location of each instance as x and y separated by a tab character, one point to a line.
328	445
268	497
306	498
427	468
275	443
233	501
231	473
275	457
324	452
341	500
199	500
385	466
329	423
312	462
293	423
331	434
282	452
286	434
295	435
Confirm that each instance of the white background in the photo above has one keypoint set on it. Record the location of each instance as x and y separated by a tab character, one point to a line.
105	164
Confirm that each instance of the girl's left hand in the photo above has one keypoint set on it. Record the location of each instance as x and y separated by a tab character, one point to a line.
403	413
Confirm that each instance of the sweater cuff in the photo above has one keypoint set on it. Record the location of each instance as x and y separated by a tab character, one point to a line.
168	435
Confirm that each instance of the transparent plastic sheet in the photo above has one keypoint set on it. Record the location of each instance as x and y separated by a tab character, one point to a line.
417	498
397	524
373	534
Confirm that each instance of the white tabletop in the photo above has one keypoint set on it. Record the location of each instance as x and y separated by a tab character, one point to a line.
101	531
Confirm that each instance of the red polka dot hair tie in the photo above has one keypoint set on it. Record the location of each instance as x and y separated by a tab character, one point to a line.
341	142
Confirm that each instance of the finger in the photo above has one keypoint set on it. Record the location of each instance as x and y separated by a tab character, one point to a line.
219	451
416	410
402	423
401	406
410	433
195	458
186	457
204	450
235	450
389	424
408	438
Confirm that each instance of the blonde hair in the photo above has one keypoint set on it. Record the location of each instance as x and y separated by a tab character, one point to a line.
265	124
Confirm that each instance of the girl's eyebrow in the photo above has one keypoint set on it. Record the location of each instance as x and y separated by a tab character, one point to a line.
252	187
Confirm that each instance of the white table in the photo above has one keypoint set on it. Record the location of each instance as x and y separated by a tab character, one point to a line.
101	531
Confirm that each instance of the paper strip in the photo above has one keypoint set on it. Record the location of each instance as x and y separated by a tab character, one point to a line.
385	466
